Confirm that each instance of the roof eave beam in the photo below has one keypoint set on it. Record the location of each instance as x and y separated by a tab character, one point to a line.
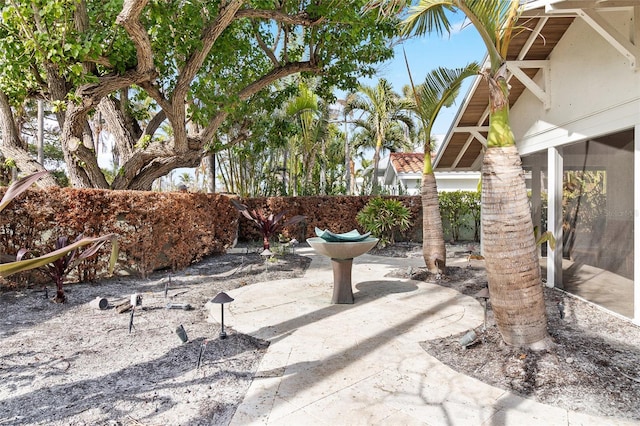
623	44
475	132
515	68
592	4
462	152
627	46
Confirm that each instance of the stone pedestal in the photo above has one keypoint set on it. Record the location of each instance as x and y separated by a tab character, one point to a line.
342	290
342	254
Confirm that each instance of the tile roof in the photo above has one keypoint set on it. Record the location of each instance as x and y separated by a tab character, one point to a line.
405	162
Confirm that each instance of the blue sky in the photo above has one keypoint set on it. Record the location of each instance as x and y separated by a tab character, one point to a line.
428	52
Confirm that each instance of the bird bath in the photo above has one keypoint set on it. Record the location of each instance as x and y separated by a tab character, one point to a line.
342	254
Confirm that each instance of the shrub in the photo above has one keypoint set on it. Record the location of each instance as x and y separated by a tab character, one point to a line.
384	217
268	225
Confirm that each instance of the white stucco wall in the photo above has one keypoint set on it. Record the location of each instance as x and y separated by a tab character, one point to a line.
457	181
446	181
410	184
594	91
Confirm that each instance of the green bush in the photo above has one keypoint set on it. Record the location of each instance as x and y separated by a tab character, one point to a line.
384	218
460	210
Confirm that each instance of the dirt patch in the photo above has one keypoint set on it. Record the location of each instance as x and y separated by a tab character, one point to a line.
592	367
71	364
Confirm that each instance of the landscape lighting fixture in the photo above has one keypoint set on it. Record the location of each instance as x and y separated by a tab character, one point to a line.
222	298
484	295
266	254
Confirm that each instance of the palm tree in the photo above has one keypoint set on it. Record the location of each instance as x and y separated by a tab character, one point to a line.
312	115
185	178
383	109
512	263
439	89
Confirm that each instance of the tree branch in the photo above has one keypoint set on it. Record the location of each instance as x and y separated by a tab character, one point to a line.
154	123
301	18
92	93
253	88
129	18
123	138
160	166
265	48
157	96
189	71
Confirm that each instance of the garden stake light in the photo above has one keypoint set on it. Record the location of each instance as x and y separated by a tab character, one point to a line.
202	348
266	254
136	300
166	286
222	298
182	333
484	295
133	309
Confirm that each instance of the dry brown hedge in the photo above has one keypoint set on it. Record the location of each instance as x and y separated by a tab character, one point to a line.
336	213
155	230
162	230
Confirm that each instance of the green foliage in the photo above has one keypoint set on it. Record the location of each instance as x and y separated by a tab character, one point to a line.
384	217
59	268
440	88
221	71
453	209
457	208
143	143
384	117
473	199
544	237
9	163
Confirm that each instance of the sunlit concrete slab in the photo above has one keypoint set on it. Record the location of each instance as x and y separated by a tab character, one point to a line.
362	364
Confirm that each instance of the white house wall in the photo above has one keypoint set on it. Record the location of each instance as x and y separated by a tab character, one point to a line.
449	182
594	91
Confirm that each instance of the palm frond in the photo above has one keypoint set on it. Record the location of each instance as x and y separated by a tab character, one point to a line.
428	16
441	87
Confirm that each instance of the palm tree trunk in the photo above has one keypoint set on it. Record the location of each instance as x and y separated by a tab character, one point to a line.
433	247
511	255
511	258
374	175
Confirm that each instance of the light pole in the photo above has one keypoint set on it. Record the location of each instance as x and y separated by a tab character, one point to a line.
221	299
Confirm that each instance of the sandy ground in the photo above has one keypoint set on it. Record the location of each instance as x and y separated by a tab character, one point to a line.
73	364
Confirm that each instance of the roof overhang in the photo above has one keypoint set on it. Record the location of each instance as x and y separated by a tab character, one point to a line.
547	21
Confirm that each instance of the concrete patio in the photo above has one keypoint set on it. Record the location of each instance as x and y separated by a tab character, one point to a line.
362	364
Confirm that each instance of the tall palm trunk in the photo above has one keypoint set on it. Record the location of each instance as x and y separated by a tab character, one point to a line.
511	258
376	163
433	247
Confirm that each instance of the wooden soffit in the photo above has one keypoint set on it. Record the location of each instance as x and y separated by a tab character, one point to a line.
546	22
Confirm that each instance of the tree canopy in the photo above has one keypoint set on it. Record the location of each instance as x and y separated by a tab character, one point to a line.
169	80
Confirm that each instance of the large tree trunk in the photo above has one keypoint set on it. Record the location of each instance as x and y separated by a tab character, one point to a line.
11	146
511	258
433	247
